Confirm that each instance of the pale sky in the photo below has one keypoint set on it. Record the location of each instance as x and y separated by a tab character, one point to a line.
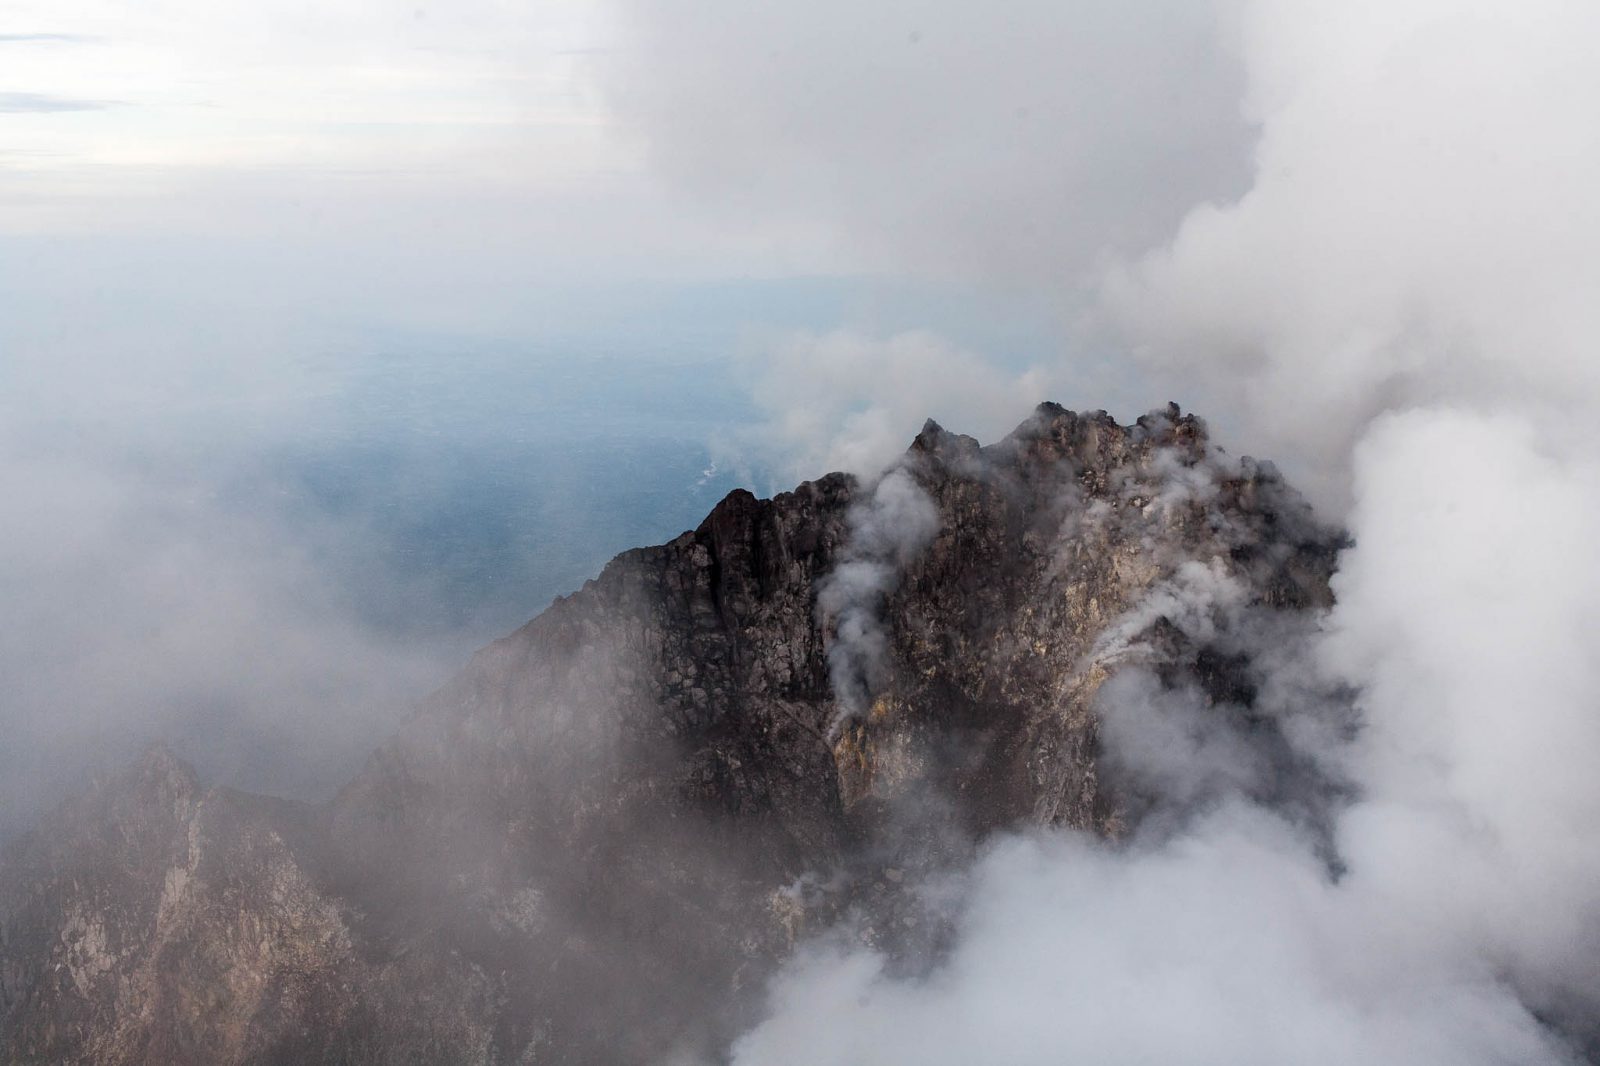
112	111
618	138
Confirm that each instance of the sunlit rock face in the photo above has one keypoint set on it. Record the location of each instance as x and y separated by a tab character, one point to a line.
597	841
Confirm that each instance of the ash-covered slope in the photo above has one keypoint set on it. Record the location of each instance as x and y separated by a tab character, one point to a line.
596	842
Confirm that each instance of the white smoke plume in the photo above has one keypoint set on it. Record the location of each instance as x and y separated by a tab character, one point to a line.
888	528
842	400
1400	304
1228	946
1459	915
1421	229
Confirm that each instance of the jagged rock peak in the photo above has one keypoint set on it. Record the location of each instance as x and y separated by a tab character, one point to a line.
934	439
593	844
159	765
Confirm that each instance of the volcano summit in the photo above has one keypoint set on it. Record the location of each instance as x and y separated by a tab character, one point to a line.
803	718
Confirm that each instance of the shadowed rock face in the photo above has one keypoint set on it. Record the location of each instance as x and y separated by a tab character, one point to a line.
595	843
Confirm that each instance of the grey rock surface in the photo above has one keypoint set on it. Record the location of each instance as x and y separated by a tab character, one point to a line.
596	842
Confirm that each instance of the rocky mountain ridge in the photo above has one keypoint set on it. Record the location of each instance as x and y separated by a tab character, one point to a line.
597	841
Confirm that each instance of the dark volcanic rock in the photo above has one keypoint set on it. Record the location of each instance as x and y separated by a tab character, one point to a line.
594	843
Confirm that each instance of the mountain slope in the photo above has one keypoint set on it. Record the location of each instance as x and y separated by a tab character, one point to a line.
595	842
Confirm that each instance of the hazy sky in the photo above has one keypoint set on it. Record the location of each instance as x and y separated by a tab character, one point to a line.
390	155
127	117
317	142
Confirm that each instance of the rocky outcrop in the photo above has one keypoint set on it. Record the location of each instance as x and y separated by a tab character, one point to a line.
156	921
595	842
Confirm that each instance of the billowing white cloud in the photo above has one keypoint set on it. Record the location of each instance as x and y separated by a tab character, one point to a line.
1229	946
1460	914
1401	305
1468	616
1420	228
843	400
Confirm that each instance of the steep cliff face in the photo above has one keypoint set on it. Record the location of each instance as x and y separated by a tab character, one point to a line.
595	842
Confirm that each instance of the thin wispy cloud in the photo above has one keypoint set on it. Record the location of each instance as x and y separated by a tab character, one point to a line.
45	38
43	103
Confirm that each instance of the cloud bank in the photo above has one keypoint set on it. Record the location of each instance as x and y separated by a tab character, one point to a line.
1449	917
1397	300
1419	231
